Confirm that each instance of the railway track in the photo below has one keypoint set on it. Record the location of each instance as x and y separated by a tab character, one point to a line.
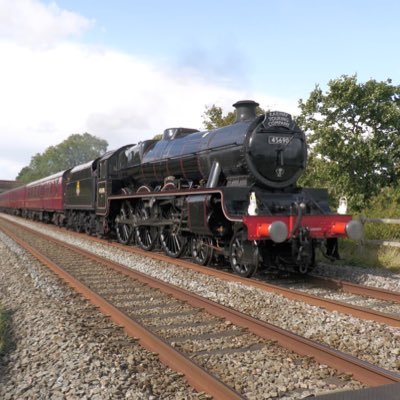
362	312
363	298
290	292
365	313
356	288
121	300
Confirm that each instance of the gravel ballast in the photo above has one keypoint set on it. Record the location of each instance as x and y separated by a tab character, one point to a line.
253	366
65	349
378	277
376	343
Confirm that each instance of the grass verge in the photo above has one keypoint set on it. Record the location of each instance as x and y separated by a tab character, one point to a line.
368	255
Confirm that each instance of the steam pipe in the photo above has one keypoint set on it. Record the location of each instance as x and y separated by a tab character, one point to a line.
215	173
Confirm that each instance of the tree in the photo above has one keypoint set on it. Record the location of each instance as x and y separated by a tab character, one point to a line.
25	174
76	149
354	137
158	136
213	117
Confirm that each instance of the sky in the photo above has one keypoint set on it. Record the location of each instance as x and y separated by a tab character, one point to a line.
125	70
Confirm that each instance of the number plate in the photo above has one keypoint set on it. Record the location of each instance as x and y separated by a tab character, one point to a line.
279	139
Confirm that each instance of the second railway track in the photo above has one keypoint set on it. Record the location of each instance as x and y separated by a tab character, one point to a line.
179	317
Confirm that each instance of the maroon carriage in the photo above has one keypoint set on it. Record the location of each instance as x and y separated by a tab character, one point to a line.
44	198
13	200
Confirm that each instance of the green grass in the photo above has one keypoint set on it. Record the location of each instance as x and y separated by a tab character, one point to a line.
367	255
382	231
5	337
385	204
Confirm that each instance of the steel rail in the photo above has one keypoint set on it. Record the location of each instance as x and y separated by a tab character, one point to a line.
196	376
356	288
363	371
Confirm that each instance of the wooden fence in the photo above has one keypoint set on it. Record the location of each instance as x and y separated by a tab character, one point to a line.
389	221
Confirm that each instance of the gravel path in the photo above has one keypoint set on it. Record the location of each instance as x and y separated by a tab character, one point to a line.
66	349
373	342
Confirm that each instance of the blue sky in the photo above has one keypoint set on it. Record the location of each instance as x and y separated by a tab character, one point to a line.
125	70
281	47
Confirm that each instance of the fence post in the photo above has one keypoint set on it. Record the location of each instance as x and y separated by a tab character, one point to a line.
361	243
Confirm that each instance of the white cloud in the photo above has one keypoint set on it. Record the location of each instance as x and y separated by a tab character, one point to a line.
34	23
48	93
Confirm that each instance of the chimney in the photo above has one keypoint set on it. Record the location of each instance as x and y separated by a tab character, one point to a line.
245	110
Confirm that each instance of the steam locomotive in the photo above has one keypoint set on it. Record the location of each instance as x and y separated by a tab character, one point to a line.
227	194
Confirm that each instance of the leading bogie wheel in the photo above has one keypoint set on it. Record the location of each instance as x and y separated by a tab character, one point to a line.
243	255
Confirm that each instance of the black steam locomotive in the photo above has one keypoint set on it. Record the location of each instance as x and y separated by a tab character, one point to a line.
225	194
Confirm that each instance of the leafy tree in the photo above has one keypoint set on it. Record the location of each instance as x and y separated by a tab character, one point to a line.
76	149
25	174
158	136
213	117
354	137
